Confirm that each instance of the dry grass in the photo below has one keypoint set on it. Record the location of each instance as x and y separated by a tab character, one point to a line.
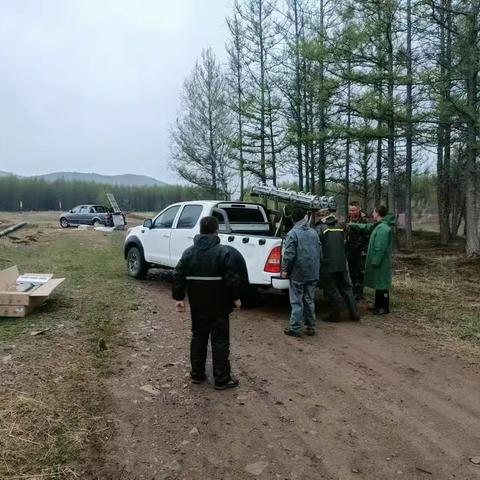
46	414
438	290
52	400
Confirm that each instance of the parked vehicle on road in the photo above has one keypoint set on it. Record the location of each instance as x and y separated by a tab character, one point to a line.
161	241
96	215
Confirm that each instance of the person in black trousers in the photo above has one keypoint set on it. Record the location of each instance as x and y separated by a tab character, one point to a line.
208	272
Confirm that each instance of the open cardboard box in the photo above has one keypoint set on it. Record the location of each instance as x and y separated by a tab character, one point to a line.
17	303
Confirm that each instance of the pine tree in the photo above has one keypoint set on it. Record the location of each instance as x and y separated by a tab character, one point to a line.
237	77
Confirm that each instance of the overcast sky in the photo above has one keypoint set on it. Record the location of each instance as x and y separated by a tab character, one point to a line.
93	85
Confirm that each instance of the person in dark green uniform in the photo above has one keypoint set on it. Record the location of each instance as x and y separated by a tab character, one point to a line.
334	278
378	267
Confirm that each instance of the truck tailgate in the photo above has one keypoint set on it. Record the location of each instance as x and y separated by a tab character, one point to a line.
256	251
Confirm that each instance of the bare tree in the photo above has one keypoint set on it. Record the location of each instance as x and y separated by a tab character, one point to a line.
202	135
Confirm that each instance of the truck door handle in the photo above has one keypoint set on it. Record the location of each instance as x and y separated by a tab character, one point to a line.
166	236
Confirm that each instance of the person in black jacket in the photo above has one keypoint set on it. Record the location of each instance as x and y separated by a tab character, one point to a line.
208	272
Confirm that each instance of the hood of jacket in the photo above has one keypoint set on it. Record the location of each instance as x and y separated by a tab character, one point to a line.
301	224
389	219
205	242
330	220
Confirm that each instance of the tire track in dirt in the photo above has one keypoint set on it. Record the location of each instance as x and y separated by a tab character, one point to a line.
396	405
350	403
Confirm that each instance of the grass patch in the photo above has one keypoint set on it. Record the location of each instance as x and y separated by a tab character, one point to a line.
436	289
52	401
96	292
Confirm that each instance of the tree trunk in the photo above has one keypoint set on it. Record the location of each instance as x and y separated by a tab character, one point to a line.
322	161
471	209
378	175
273	161
390	123
379	153
305	127
443	146
311	145
211	134
298	96
240	123
409	135
263	167
306	141
347	144
471	170
365	179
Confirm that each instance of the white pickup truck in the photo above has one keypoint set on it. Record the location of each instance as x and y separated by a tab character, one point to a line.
245	226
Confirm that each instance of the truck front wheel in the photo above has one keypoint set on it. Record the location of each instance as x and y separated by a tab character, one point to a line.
136	265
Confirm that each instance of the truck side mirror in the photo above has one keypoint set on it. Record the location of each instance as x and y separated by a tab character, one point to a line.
148	223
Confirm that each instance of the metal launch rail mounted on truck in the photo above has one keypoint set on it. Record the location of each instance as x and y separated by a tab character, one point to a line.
249	227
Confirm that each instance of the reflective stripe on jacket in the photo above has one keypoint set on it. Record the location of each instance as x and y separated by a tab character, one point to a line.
209	274
332	237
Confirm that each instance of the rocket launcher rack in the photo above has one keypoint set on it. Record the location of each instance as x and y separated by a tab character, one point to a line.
305	200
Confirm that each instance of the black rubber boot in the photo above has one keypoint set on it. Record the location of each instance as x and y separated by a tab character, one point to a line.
292	333
232	383
197	380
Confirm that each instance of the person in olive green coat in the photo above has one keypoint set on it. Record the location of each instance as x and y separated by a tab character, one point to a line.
378	267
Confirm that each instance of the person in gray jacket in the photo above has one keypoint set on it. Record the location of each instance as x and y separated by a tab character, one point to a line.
301	265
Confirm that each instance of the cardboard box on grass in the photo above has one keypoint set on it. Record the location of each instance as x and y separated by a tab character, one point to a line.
15	303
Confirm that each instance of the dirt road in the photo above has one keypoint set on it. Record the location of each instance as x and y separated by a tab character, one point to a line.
351	403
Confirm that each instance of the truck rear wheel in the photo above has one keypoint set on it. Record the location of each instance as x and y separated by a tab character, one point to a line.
136	265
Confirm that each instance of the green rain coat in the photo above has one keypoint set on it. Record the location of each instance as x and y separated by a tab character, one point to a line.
378	266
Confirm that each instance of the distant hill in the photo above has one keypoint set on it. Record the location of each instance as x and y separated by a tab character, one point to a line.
125	180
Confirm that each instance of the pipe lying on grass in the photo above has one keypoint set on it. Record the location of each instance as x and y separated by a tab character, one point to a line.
13	228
